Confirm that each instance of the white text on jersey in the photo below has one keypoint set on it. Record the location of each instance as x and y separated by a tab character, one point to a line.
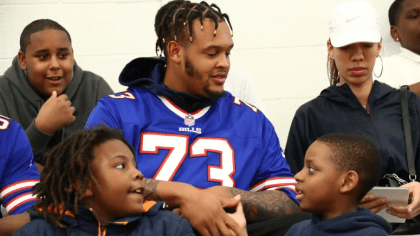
190	129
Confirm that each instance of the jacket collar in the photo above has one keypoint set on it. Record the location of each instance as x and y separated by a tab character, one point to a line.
343	94
87	217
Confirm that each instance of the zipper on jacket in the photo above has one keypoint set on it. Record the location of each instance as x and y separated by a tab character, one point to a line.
367	109
101	228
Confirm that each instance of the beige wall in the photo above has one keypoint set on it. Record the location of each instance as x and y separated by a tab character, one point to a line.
281	44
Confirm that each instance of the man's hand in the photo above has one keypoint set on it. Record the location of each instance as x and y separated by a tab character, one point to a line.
205	213
55	114
239	217
413	209
373	203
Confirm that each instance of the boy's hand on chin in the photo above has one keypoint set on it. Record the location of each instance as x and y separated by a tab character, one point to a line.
205	213
55	114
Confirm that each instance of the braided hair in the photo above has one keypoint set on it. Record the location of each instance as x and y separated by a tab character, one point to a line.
174	21
67	163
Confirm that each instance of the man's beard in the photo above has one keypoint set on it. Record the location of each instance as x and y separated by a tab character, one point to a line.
192	72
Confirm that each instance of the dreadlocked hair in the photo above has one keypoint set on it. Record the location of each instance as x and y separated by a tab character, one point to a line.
174	21
68	163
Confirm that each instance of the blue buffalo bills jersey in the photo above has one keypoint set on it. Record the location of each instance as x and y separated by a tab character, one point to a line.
229	143
18	172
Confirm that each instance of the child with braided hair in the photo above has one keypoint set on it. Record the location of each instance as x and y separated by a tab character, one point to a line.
91	186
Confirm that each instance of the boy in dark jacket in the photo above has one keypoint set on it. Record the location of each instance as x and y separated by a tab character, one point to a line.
91	186
339	170
45	90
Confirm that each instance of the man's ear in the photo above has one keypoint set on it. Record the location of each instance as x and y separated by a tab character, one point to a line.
175	51
22	60
350	181
395	34
330	49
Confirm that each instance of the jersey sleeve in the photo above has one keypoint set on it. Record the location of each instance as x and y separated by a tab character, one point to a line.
273	173
18	170
105	113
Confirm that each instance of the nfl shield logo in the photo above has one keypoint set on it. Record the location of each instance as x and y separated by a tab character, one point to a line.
189	120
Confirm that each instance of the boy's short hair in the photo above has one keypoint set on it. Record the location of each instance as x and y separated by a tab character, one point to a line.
68	163
37	26
394	12
357	153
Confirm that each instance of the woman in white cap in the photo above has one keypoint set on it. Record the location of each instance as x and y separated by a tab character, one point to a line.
355	103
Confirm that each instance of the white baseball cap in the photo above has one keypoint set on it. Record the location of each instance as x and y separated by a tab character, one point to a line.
353	22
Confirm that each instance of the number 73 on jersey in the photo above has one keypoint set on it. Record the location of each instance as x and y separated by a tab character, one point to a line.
177	144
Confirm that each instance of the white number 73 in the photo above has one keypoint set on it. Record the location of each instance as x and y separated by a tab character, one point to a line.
178	146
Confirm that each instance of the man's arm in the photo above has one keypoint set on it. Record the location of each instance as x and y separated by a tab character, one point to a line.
259	206
12	223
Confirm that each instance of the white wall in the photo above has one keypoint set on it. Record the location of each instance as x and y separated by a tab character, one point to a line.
281	44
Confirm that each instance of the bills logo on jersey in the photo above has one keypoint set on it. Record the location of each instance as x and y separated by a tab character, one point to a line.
189	120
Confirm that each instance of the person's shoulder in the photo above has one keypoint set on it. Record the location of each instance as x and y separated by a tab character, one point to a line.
312	105
232	102
39	226
90	77
7	124
300	228
132	95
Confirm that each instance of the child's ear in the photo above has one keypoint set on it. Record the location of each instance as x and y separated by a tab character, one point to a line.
22	60
350	181
88	192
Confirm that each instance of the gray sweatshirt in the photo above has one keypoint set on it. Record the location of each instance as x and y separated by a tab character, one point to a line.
21	103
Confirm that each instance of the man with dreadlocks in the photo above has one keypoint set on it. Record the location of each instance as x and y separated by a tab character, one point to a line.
186	128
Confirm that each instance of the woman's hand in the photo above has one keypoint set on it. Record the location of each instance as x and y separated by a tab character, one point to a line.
373	203
413	209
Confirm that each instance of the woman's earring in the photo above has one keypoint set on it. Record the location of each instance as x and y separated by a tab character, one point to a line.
382	67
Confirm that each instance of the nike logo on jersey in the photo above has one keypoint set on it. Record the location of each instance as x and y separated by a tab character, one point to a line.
190	129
